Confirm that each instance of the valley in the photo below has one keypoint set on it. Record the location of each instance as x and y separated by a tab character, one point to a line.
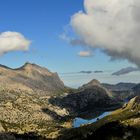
35	103
69	70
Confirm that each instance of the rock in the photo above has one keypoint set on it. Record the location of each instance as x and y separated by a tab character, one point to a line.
31	77
1	128
91	96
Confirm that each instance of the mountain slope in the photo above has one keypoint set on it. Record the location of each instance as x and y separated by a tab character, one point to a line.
31	77
119	86
123	123
91	97
24	93
122	91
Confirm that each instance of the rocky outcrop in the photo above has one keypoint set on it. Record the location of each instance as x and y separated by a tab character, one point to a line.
91	96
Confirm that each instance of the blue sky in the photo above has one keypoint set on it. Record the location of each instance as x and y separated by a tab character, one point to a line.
42	22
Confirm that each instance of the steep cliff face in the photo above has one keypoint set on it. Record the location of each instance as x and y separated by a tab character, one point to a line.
31	77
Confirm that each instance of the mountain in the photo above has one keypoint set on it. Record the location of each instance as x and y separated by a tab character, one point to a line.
123	123
136	89
93	82
119	86
121	91
125	71
90	97
24	101
31	77
35	102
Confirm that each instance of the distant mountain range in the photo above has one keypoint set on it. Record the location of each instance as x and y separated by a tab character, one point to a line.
122	91
119	86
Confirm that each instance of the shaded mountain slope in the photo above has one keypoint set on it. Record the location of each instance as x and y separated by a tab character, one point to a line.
90	97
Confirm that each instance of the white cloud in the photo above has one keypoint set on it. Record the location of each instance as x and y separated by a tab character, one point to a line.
13	41
112	25
85	54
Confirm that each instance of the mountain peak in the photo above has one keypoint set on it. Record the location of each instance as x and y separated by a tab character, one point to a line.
94	82
27	64
31	76
31	66
90	84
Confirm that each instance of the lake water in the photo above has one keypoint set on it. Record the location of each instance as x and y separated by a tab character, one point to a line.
77	122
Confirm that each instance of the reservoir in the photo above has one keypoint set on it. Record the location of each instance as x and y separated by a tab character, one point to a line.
77	122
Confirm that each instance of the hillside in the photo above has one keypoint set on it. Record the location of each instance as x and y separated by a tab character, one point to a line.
90	97
24	94
31	77
119	86
123	123
35	102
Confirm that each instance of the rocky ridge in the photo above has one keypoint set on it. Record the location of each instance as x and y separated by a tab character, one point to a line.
31	77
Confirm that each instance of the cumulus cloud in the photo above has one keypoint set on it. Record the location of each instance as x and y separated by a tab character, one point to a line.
85	54
13	41
112	25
